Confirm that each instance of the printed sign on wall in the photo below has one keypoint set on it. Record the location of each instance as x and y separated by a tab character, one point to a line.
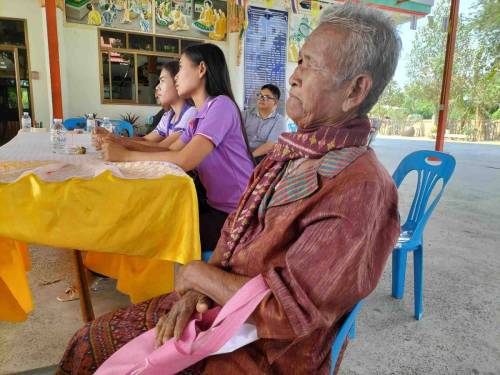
265	52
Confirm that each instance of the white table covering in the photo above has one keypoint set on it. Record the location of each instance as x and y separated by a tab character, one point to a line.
32	153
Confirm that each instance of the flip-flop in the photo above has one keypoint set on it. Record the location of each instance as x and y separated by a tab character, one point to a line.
99	284
70	294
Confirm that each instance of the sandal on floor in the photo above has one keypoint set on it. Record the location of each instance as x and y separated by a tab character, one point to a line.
70	294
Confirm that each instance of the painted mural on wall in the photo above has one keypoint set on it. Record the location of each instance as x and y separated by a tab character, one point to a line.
120	14
301	25
236	16
304	18
192	18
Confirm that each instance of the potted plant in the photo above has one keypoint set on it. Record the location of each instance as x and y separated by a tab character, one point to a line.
130	117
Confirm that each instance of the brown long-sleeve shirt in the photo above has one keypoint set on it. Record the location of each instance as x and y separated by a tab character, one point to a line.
320	253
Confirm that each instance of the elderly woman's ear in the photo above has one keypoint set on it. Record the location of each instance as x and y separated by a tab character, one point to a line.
359	88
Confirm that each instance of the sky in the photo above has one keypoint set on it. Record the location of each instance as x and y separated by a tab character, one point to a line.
408	35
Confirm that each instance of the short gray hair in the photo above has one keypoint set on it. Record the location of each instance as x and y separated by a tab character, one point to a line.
372	46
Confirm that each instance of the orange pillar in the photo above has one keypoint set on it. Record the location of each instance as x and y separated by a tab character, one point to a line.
447	72
55	75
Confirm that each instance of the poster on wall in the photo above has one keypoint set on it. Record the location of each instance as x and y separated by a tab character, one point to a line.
134	15
192	18
265	53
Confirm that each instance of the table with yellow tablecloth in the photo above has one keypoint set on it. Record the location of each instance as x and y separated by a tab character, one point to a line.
132	228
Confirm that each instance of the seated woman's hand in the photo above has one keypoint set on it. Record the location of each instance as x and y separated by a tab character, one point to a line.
98	136
100	130
113	151
173	323
97	140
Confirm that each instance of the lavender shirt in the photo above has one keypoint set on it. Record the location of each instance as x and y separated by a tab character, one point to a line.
225	171
166	126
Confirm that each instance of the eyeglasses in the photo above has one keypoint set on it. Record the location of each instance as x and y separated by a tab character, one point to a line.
265	98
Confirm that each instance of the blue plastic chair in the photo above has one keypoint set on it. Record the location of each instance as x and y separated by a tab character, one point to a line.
75	122
123	128
348	329
430	171
205	255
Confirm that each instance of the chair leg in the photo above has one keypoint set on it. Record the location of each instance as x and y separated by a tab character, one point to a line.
398	273
352	331
418	271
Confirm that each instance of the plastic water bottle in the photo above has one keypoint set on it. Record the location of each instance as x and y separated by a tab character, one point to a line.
26	121
57	136
90	123
107	124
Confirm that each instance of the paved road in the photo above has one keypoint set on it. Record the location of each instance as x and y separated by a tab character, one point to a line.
460	331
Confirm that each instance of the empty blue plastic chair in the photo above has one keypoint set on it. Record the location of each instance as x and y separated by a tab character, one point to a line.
430	172
347	329
124	128
75	123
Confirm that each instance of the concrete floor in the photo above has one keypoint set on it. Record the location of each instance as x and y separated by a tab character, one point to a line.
459	333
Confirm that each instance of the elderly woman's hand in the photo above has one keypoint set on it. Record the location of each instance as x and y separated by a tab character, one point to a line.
113	151
173	323
186	276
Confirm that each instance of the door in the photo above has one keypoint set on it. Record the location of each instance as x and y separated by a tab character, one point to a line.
15	83
9	96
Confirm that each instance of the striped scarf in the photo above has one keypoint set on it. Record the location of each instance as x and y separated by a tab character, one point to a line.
309	144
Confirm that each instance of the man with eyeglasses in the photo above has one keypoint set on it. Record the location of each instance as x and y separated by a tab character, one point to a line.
263	123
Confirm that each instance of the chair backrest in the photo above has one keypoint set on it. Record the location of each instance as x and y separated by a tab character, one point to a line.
123	126
205	255
75	122
431	166
344	330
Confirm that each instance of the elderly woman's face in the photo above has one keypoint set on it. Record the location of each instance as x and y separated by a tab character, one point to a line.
315	96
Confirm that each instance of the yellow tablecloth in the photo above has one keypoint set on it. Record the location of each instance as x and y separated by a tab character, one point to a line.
133	230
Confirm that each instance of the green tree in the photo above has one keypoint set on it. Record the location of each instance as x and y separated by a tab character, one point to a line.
475	80
484	84
416	102
390	103
425	64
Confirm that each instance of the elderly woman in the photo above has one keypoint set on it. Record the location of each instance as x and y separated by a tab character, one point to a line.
318	220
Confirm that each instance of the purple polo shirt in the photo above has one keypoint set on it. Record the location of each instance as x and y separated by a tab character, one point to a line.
167	127
226	170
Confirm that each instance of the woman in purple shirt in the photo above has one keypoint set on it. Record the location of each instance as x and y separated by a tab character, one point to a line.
177	113
214	143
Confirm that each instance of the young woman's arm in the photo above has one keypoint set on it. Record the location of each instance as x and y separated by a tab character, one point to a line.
144	146
151	137
187	156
